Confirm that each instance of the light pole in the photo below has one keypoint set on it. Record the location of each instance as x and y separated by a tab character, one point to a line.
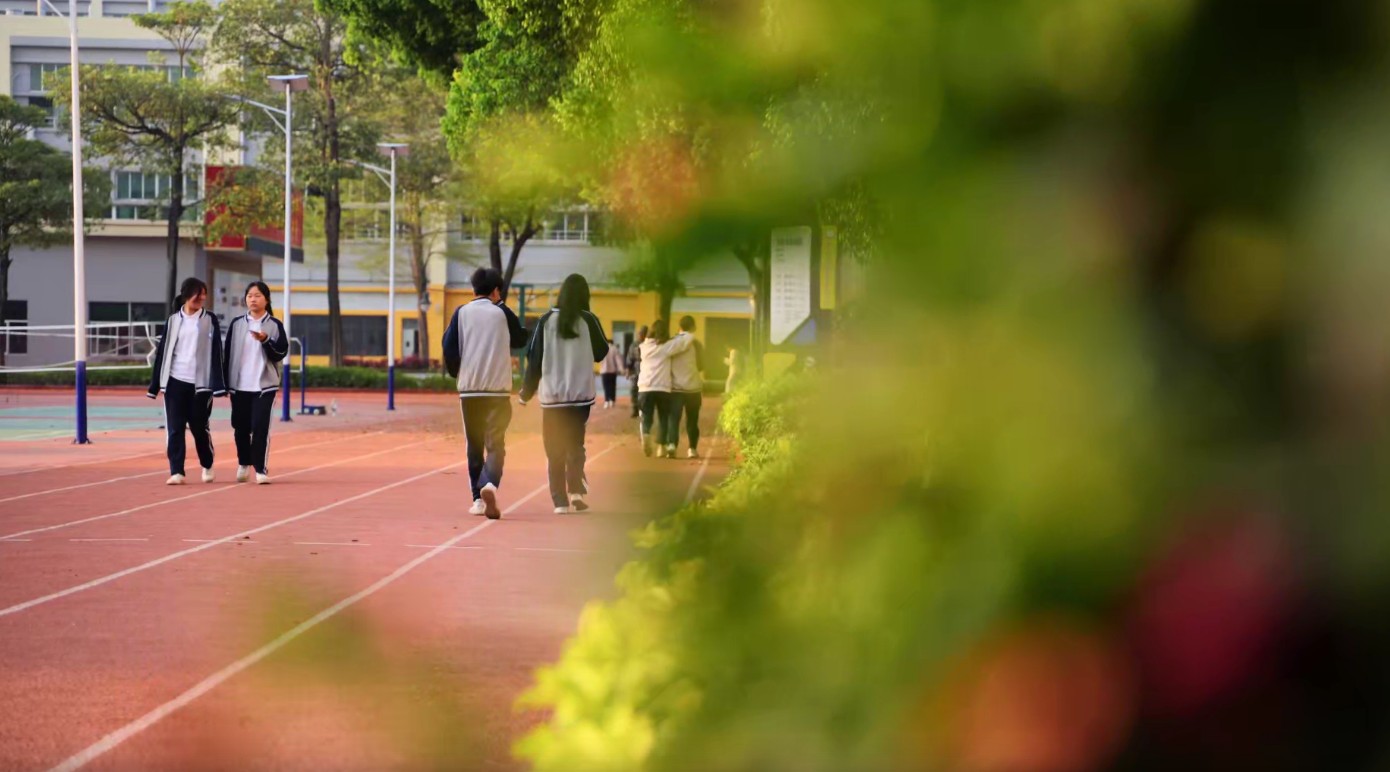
392	149
289	84
79	257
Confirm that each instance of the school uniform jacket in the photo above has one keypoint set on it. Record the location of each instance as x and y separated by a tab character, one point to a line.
562	369
656	362
275	346
687	366
210	373
478	348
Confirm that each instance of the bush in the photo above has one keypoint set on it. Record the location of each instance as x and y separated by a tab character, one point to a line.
318	378
135	377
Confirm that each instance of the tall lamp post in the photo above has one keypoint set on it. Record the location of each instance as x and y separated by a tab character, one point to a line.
289	84
388	176
79	257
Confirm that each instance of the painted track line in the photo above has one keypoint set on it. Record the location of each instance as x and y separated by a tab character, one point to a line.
331	544
152	474
130	539
18	607
218	489
110	741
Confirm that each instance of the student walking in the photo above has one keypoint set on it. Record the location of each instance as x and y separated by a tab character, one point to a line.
478	351
256	344
654	389
188	372
634	365
608	372
687	390
566	343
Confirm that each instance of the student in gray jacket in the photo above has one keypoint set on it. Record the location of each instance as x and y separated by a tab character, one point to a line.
256	344
566	343
188	371
478	350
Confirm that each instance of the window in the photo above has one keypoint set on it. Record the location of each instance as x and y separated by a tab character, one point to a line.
42	77
362	335
16	315
45	104
566	226
137	196
123	329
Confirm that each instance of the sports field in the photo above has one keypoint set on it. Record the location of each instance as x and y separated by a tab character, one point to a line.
351	615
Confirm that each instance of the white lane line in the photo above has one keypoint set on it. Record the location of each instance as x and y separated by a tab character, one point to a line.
546	549
205	541
44	435
695	483
110	741
151	474
18	607
331	544
437	546
16	539
108	539
218	489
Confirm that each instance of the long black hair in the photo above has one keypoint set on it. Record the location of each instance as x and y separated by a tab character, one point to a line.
574	297
191	288
660	332
265	291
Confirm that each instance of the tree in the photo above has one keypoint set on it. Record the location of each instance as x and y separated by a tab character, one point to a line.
155	117
411	112
508	60
36	191
256	38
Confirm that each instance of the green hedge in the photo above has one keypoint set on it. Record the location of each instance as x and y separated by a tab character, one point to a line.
318	377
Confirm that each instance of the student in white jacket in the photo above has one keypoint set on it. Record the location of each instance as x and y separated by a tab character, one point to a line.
687	389
654	387
256	344
566	343
478	350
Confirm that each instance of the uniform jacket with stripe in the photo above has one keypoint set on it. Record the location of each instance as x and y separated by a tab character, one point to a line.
478	347
210	373
274	347
562	369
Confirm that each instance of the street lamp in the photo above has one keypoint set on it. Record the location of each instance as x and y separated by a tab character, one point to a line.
289	84
392	149
79	257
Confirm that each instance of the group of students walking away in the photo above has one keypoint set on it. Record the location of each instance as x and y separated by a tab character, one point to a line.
194	363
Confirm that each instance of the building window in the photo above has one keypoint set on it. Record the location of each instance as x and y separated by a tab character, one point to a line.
124	329
362	335
139	195
16	315
42	77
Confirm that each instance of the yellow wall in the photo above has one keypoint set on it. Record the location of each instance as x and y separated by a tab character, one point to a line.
609	305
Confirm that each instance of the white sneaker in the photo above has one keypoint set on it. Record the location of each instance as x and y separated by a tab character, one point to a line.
670	451
243	473
208	475
692	453
489	494
562	510
175	479
262	479
648	445
577	503
479	507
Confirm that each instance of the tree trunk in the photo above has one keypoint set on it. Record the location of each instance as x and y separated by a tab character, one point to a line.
667	296
419	274
171	248
494	244
332	224
5	261
517	244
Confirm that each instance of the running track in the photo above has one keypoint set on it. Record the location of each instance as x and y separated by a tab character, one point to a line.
351	615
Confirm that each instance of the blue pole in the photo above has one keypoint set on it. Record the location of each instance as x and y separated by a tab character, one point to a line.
391	386
303	375
285	407
82	404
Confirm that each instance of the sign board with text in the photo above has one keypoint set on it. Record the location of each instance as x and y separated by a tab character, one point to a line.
789	305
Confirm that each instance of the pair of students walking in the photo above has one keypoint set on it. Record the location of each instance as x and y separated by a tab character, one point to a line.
564	346
193	364
669	382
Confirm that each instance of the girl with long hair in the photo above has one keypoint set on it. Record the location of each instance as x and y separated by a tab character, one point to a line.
188	372
567	342
256	344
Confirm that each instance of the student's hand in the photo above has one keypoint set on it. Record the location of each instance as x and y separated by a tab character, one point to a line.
260	336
